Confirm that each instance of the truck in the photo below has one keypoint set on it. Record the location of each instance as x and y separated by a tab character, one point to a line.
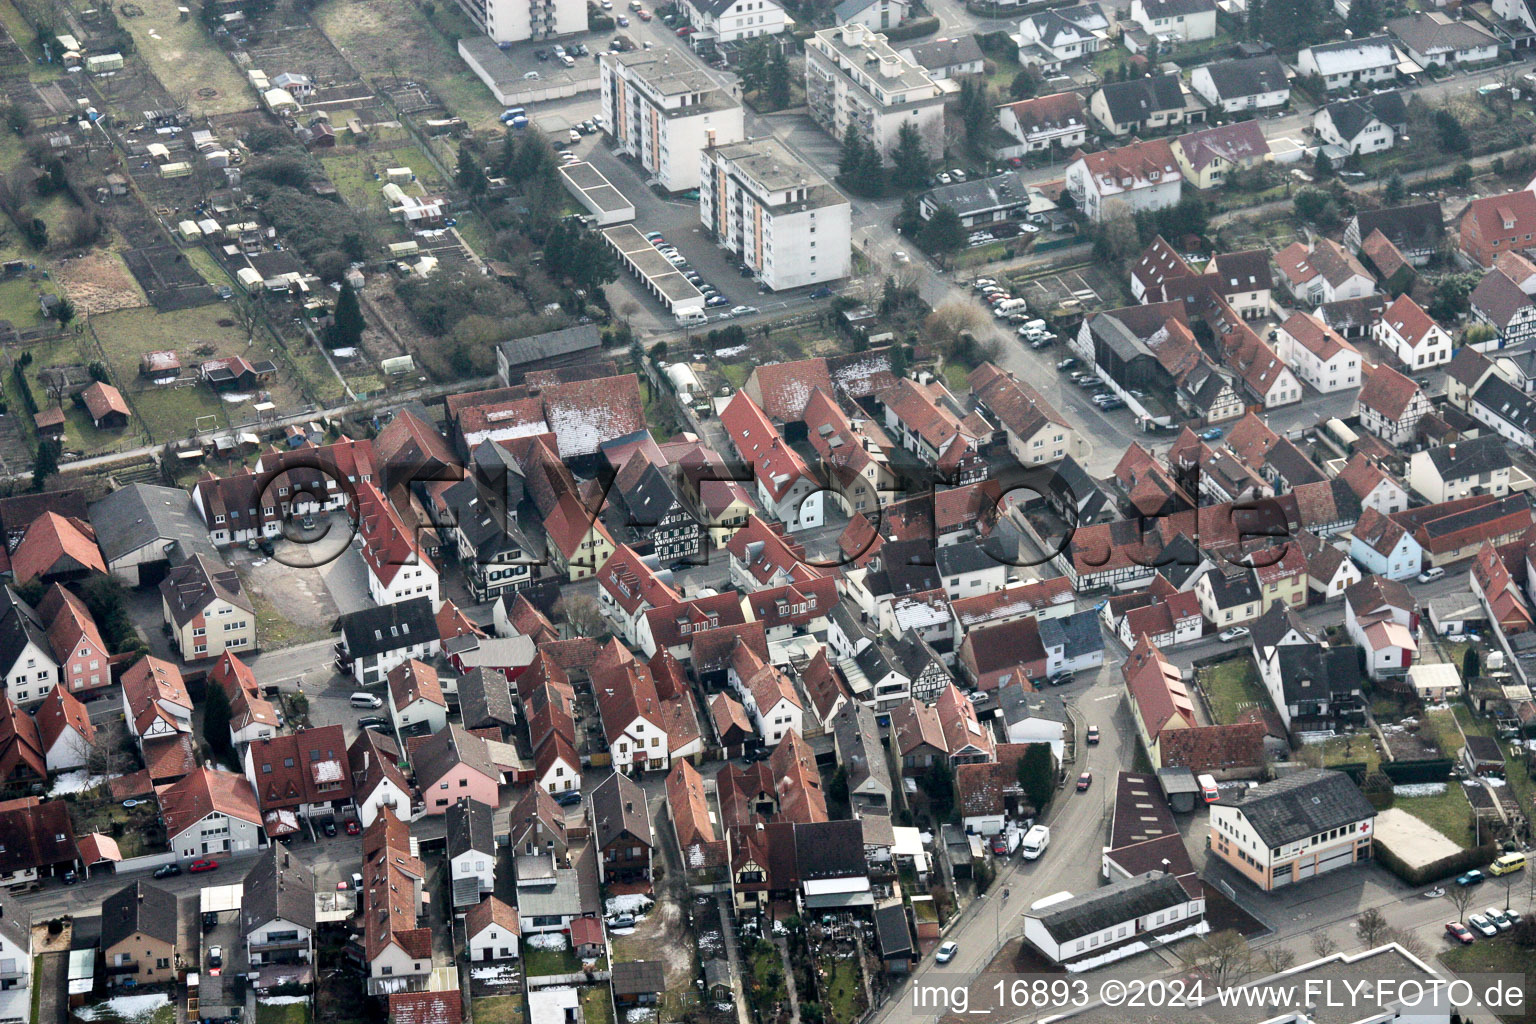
1035	842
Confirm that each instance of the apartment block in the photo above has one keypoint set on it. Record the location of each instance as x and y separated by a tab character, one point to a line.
782	219
853	77
513	21
663	111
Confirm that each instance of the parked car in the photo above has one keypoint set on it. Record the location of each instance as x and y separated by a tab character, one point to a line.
1061	678
943	178
1513	915
354	827
743	310
1112	404
901	257
957	174
1093	735
946	952
1458	931
1084	781
1483	926
685	32
643	15
982	282
372	722
822	293
210	920
1431	574
1470	878
203	864
623	21
1067	363
716	300
167	871
1227	636
569	798
329	828
215	956
654	236
1000	845
1211	435
1498	919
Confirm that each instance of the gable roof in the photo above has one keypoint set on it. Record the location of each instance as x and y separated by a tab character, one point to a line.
1048	113
1387	392
189	588
619	811
375	630
1251	76
1236	143
1119	902
1138	99
1410	227
205	791
279	887
53	543
1301	804
138	907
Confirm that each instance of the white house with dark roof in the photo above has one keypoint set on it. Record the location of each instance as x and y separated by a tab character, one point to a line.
1501	304
1186	21
1045	121
1140	104
1462	469
1254	84
876	15
1139	176
1352	62
1303	824
1051	39
1434	37
727	21
947	57
1412	336
1115	921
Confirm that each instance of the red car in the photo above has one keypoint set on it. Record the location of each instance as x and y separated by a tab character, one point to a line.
353	828
685	32
1084	781
1000	845
203	864
1093	735
643	15
1459	932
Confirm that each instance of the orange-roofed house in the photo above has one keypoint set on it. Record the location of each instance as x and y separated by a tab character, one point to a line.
1037	433
783	483
1390	405
1494	225
1412	335
767	695
1326	273
77	644
1135	177
1160	702
105	405
56	550
210	812
492	931
398	568
416	701
1318	354
1057	120
65	730
155	699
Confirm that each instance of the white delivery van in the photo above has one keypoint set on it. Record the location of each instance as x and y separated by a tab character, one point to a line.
1208	788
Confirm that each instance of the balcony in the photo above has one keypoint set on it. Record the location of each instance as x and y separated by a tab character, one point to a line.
123	967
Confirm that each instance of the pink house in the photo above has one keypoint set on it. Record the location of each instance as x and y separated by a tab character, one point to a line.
453	764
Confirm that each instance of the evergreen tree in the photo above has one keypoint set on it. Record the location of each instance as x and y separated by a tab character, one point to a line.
776	88
1453	137
861	170
1024	85
898	360
1471	664
910	220
468	174
1393	194
944	234
1364	18
911	159
975	110
1037	772
1322	167
346	330
46	462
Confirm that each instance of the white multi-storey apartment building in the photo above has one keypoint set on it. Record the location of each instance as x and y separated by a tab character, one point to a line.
663	111
512	21
777	215
853	77
726	21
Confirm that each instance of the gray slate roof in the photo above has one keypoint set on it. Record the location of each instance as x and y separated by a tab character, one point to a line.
945	53
1301	804
279	887
1118	903
618	807
1140	98
1470	458
1078	634
554	343
469	827
15	922
639	977
485	699
139	907
389	627
1250	77
140	515
859	747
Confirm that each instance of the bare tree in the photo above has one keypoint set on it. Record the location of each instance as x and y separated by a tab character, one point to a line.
944	325
248	315
1372	926
108	752
1460	897
1224	957
584	615
1323	945
1278	959
1408	940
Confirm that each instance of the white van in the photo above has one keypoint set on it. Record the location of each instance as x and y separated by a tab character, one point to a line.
365	700
1208	789
693	319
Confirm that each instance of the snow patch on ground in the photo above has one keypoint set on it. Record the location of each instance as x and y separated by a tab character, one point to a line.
237	398
634	903
546	940
640	1014
734	350
621	931
76	782
501	974
1419	789
282	1000
129	1008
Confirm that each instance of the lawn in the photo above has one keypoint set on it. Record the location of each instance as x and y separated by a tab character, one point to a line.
394	36
1232	687
18	301
358	174
1514	768
196	334
80	434
596	1005
499	1010
1449	813
125	824
282	1013
1494	956
844	991
1351	750
549	961
186	61
1110	59
765	986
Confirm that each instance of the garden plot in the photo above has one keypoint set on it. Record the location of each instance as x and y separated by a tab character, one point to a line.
298	46
186	59
99	281
168	278
1050	291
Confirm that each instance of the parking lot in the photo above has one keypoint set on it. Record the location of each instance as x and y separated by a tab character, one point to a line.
1053	290
216	991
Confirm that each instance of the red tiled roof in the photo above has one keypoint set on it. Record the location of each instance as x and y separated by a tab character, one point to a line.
1408	320
186	802
783	389
1018	406
308	767
388	544
1315	336
52	544
776	465
632	582
1157	688
60	710
446	1007
1213	748
1387	391
674	625
102	399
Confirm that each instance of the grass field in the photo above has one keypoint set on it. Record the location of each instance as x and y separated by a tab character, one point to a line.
1449	813
186	61
844	991
358	174
500	1010
386	35
1494	956
596	1005
80	434
18	301
538	962
1232	687
282	1013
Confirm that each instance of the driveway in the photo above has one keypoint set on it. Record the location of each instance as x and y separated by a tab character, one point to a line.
346	580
